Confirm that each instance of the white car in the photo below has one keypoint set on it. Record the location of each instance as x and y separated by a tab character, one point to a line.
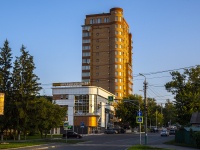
164	133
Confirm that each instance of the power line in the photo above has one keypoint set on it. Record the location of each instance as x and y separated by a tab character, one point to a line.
165	71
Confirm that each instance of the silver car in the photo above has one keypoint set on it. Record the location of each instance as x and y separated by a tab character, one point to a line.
164	133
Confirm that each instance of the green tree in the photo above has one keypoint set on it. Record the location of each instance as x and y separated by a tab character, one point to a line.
127	111
169	112
25	87
45	115
152	106
5	85
186	88
155	116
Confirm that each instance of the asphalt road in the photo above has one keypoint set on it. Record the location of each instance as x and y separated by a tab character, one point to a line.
111	142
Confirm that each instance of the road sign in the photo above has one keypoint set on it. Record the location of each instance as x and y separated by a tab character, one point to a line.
139	119
2	103
110	98
65	125
82	125
139	113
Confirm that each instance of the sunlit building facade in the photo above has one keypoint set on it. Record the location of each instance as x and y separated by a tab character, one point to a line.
107	52
88	108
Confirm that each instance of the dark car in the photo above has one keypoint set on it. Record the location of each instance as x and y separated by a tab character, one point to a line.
154	130
119	130
110	131
172	132
72	134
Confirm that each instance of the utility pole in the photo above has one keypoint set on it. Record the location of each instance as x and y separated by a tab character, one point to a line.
145	102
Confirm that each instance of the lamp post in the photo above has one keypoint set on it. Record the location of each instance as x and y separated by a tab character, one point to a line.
131	101
145	101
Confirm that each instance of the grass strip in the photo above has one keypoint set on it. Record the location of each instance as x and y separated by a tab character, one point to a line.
144	147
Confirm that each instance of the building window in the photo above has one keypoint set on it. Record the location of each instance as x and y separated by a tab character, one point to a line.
97	74
106	20
86	40
116	66
116	59
86	53
98	20
81	104
97	80
116	87
85	67
92	21
86	34
86	47
86	28
97	47
116	18
97	60
86	61
67	96
85	80
85	74
116	32
116	73
116	46
97	54
97	34
97	67
120	94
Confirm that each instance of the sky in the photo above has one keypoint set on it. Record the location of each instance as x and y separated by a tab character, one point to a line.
165	34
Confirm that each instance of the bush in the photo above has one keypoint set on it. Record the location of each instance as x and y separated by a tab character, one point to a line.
196	137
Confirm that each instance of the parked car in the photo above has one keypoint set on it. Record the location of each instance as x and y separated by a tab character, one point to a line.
110	131
72	134
154	130
172	132
164	133
119	130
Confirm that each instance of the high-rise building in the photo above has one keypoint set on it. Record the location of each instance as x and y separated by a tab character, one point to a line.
107	52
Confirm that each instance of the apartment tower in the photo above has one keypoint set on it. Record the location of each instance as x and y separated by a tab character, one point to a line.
107	52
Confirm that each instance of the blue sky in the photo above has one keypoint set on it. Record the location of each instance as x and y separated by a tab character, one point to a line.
166	36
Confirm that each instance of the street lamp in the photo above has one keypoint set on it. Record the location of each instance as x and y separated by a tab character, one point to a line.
131	101
145	101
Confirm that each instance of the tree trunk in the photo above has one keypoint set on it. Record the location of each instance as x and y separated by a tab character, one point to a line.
1	136
24	135
18	132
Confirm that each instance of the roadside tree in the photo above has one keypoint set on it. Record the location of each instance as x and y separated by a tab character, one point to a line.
25	88
5	85
186	90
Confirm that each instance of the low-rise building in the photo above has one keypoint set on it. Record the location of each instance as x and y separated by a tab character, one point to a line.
89	108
